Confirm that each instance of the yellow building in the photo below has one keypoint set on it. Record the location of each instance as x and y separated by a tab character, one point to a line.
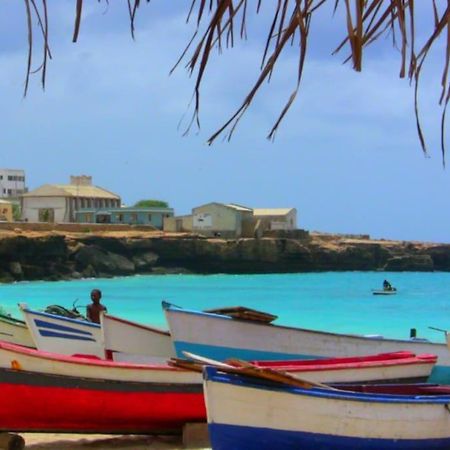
6	211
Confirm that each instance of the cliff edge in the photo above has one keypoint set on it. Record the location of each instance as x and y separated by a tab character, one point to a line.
56	255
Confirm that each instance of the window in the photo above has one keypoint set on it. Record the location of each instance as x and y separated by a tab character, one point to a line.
149	217
1	177
119	217
133	217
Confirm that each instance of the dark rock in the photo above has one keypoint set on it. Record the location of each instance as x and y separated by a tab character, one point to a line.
416	263
145	261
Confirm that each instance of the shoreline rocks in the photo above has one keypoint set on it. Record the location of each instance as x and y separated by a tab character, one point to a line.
57	256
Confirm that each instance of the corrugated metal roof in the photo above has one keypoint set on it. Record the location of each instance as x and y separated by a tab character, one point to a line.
239	207
272	211
71	190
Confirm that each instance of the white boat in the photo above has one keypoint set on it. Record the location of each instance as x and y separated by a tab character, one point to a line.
62	335
15	331
250	414
384	291
220	337
131	341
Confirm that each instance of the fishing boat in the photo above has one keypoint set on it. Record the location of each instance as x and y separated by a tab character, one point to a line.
114	338
249	413
392	291
221	337
15	331
48	402
392	367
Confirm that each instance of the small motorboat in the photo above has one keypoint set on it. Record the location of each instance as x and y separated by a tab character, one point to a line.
391	291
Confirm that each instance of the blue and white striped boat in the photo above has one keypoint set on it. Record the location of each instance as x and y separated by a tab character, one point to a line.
57	334
250	414
220	337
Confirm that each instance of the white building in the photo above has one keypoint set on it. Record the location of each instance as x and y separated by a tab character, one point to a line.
59	202
12	183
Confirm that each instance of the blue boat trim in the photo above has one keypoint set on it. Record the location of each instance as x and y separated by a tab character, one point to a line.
223	353
48	333
54	326
226	437
61	318
213	374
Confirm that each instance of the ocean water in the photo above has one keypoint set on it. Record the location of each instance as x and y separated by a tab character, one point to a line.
331	301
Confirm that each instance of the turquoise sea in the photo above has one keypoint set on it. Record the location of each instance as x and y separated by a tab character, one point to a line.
331	301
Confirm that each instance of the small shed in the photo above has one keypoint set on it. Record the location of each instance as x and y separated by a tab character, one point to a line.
276	218
6	211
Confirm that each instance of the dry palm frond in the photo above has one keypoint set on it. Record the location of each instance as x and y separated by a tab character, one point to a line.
365	22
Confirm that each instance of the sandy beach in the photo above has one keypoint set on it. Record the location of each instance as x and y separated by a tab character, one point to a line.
53	441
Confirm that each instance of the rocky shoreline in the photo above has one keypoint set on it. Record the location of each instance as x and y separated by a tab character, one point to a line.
59	255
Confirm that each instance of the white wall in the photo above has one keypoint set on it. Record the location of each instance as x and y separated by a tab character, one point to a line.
32	205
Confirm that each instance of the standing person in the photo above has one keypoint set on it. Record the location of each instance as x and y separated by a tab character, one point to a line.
93	310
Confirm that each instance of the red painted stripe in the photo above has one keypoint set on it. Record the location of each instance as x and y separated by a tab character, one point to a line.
57	409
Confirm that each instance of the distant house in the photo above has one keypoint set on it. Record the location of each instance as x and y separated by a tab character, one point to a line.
6	211
125	215
12	183
276	218
60	202
214	219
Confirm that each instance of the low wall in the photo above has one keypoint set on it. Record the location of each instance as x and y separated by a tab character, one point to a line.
73	227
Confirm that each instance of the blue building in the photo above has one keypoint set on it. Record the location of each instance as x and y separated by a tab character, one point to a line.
128	215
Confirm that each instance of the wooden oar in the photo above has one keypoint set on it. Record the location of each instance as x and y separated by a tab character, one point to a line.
245	368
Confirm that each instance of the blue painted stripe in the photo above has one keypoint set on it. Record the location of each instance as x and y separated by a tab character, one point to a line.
54	326
222	353
47	333
226	437
62	319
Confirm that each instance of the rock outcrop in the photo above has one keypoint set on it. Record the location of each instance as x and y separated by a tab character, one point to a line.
55	256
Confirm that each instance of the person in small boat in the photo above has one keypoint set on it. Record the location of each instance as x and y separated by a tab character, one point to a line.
387	286
95	308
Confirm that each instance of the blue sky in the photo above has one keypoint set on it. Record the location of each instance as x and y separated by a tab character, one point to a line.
347	155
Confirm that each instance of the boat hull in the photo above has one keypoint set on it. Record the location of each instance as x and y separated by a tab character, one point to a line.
248	415
15	331
220	337
130	341
36	402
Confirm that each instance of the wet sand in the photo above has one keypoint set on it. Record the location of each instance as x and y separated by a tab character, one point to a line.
51	441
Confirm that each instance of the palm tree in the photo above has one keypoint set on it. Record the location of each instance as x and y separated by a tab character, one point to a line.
366	21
